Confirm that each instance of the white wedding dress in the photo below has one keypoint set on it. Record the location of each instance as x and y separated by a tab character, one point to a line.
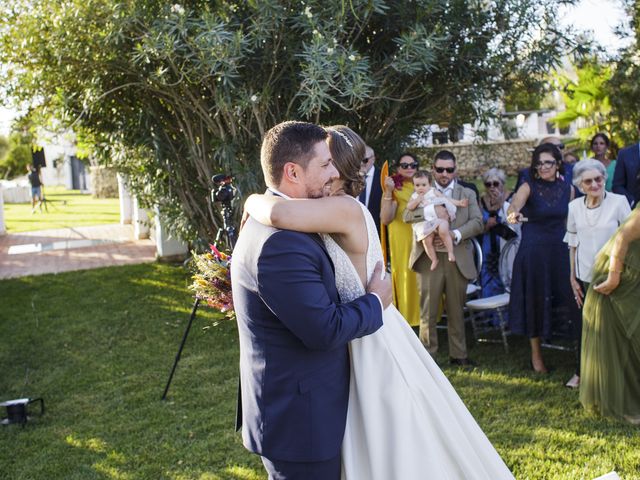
405	420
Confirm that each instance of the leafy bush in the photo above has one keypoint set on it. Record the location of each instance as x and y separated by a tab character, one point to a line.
172	94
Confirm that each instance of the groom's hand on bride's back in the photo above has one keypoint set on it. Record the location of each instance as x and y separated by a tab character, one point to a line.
380	284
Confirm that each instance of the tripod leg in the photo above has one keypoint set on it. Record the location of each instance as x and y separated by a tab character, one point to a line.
184	339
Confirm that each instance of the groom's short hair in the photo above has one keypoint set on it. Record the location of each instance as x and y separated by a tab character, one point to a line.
288	142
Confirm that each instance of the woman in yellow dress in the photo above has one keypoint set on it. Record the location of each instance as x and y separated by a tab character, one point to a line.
397	190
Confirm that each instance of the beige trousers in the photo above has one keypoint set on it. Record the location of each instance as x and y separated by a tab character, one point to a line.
447	279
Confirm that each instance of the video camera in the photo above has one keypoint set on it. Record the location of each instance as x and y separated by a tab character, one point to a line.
223	190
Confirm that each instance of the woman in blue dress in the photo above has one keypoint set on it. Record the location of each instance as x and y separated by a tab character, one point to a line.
540	289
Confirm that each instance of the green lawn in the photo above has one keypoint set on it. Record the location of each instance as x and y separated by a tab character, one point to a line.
64	208
98	346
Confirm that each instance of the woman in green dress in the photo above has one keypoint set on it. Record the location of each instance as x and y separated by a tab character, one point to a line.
610	364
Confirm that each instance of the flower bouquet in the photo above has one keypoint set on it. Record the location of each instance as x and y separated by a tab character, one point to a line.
212	280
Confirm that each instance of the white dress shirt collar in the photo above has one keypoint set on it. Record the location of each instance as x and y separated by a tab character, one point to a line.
279	193
446	190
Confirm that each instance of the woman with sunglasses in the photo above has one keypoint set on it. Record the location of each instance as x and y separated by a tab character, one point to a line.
397	191
494	207
591	221
540	288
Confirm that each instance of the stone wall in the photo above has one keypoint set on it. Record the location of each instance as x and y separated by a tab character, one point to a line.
473	159
104	182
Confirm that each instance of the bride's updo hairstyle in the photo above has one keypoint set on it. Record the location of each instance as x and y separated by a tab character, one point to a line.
348	151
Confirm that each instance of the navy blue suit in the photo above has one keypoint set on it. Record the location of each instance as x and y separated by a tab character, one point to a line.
375	197
625	176
294	360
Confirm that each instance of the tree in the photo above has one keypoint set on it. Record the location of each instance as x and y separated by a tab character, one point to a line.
624	84
17	157
587	98
173	94
4	147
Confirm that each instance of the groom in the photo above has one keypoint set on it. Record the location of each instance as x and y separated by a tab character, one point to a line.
294	360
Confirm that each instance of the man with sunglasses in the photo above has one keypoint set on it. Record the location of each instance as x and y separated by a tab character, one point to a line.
371	196
448	278
626	177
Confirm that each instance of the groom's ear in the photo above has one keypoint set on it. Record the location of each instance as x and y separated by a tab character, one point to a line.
291	172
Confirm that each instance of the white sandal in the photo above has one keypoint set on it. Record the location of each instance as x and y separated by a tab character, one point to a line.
574	382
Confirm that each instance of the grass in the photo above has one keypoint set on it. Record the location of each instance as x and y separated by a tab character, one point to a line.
97	345
65	208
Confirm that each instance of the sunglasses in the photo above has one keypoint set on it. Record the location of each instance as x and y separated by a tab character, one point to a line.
589	181
546	164
495	184
413	165
445	169
366	159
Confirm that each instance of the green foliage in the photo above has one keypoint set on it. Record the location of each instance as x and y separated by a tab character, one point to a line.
17	155
526	94
588	99
174	94
98	345
624	84
4	147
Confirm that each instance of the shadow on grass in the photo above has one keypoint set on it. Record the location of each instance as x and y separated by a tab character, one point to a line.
98	346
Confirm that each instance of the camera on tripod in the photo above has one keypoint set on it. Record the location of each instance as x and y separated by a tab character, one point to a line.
224	192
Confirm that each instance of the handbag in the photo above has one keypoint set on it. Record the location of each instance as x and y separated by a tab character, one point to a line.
504	232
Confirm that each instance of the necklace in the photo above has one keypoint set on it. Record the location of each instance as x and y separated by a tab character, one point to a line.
592	214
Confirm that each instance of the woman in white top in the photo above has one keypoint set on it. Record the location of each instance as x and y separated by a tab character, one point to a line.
591	221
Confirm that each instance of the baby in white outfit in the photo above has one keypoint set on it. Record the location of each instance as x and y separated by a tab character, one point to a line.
439	210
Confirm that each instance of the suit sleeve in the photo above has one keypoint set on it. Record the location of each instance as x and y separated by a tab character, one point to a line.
619	184
412	216
290	283
474	225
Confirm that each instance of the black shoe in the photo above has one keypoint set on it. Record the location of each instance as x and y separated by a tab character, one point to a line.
462	362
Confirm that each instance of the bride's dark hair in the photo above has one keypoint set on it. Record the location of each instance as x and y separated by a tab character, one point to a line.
348	151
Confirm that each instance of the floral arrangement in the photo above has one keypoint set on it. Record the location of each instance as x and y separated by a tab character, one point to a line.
212	280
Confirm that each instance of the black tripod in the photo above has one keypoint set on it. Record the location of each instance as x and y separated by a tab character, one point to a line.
45	202
223	194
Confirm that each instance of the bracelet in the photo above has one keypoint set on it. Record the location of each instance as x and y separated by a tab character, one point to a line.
615	271
387	198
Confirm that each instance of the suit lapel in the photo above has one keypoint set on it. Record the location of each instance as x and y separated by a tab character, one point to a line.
316	238
457	192
457	195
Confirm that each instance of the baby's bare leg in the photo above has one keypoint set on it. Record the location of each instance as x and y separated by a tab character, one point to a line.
427	243
441	212
443	233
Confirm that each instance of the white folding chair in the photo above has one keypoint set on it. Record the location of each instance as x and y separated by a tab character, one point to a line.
481	308
473	287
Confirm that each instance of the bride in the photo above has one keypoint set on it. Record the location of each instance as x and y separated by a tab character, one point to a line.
405	420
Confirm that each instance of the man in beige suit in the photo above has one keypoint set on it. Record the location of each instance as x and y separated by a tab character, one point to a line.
450	278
